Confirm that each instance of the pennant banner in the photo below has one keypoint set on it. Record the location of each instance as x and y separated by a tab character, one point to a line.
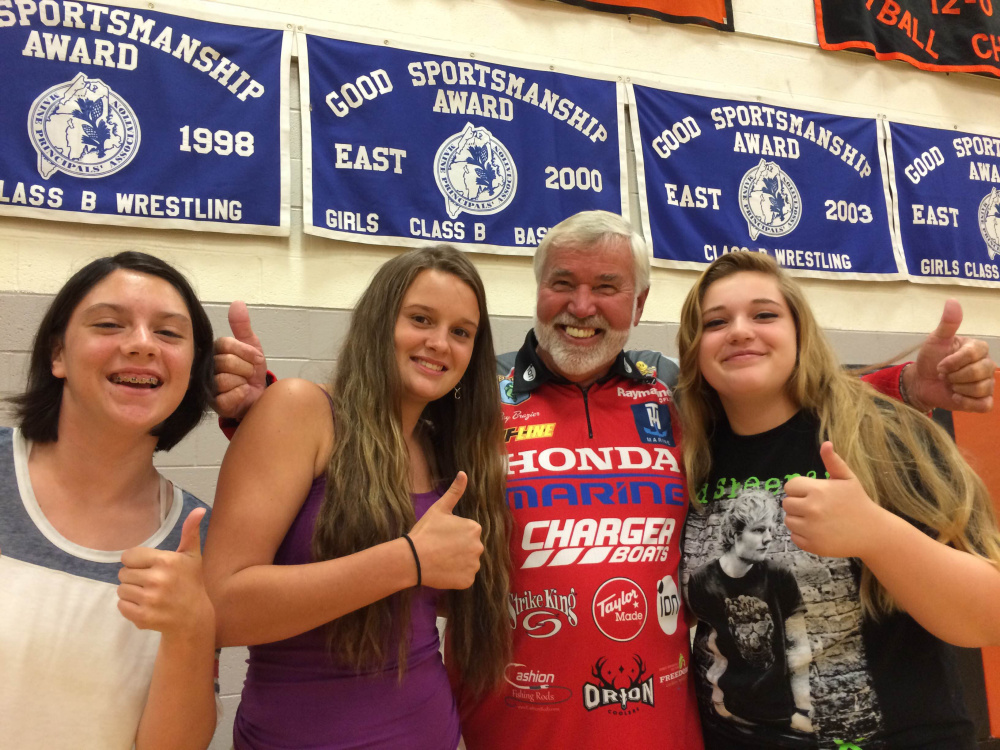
947	204
717	14
407	148
719	175
945	35
125	115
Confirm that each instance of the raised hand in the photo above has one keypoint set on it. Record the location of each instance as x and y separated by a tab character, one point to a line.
448	546
951	372
240	366
163	590
831	517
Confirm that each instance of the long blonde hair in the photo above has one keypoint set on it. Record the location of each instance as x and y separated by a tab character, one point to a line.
367	491
906	463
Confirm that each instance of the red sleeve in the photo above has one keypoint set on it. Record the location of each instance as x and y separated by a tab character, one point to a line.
887	381
228	425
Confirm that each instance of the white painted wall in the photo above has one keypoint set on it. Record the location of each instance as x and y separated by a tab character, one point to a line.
773	55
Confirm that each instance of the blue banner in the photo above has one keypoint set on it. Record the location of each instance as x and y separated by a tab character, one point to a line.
946	186
719	175
117	114
407	148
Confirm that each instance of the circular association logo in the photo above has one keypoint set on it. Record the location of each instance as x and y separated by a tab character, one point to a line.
989	221
620	609
475	173
769	200
82	128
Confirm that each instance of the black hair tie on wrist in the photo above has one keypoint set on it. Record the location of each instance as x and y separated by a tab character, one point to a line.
416	559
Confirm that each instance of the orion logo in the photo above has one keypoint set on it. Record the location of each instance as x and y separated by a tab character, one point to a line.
624	685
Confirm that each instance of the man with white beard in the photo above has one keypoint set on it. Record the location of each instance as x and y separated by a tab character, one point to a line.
597	500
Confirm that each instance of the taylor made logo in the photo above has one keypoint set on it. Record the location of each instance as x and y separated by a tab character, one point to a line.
542	615
652	421
507	395
668	604
624	685
619	609
475	173
532	687
989	221
769	200
588	541
82	128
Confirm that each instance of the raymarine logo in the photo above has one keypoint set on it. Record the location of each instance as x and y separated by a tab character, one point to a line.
82	128
475	173
587	541
661	395
769	201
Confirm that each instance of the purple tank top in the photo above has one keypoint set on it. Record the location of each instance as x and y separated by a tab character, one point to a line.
296	696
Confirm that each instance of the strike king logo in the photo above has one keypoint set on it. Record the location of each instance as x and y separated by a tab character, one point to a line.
652	421
624	685
542	615
475	173
82	128
989	222
619	609
532	687
769	200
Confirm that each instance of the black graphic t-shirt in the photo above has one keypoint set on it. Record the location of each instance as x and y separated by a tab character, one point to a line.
783	656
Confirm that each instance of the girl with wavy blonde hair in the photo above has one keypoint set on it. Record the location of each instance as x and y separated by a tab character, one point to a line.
888	532
335	543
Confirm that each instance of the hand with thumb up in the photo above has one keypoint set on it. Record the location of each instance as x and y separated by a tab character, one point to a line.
164	591
448	546
832	517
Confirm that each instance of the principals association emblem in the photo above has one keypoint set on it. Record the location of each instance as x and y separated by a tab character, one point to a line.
475	173
989	222
82	128
769	200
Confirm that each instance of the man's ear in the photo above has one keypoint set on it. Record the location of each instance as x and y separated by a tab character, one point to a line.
640	302
58	366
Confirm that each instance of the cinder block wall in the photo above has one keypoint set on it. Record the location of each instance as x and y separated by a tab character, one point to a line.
303	342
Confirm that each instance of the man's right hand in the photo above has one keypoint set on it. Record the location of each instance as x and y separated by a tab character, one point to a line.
449	546
240	367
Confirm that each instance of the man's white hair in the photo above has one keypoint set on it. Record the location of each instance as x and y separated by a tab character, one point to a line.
592	230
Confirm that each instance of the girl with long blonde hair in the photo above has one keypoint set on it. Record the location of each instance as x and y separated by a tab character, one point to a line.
831	624
334	543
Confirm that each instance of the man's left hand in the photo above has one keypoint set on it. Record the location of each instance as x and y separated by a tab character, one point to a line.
951	372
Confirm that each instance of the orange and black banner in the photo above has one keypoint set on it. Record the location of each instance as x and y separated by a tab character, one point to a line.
717	14
945	35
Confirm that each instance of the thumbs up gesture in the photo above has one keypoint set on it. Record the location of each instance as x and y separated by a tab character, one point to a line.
163	590
952	372
448	546
831	517
240	367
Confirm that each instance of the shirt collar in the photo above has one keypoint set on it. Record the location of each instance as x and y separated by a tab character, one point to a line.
530	371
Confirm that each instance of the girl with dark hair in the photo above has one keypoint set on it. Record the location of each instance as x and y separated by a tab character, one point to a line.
889	535
333	539
105	649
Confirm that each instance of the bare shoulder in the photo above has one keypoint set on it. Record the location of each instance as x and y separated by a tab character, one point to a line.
294	414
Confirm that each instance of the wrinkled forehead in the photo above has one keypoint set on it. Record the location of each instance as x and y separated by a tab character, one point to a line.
606	257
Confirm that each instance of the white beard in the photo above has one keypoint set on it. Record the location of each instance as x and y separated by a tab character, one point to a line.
574	361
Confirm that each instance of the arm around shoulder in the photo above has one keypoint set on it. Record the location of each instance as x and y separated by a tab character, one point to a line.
282	446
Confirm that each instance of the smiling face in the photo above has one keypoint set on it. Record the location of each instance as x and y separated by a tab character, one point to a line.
748	343
126	355
586	307
434	336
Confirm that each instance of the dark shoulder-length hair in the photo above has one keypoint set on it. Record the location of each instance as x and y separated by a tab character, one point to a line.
37	409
